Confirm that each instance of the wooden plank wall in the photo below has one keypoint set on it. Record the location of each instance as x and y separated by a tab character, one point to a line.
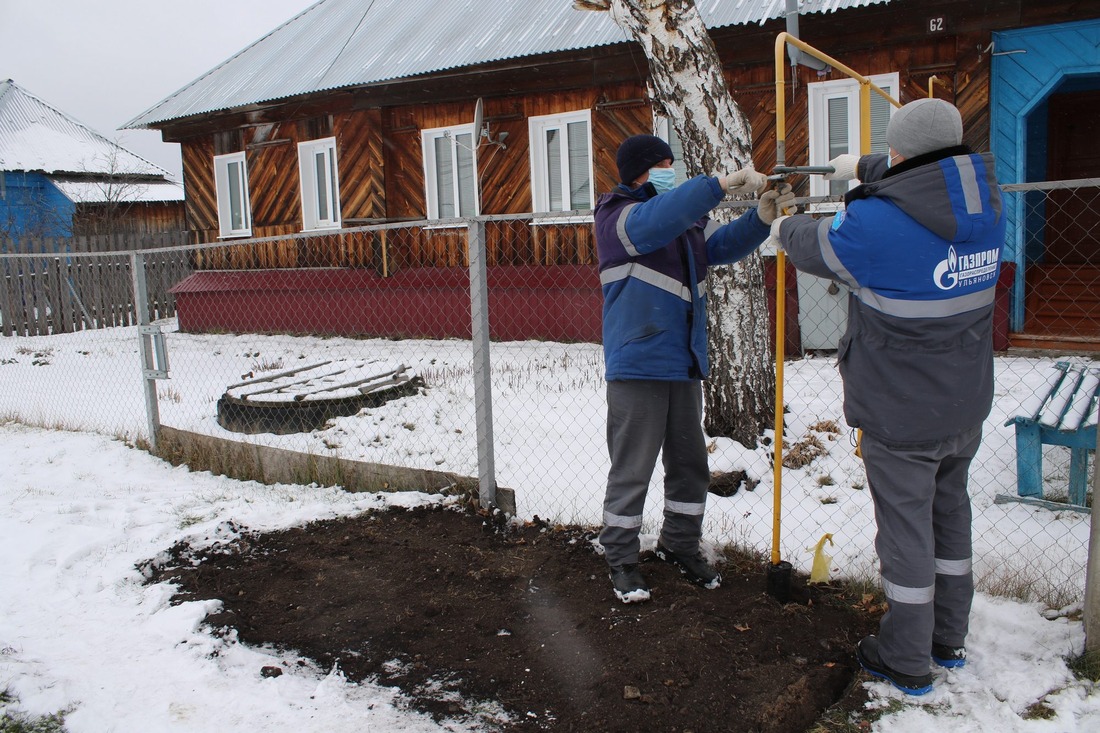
198	181
381	165
59	294
359	136
381	176
132	218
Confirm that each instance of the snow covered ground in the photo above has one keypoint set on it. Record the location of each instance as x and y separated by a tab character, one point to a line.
80	633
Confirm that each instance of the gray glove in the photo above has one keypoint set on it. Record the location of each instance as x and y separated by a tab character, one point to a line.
844	166
777	201
746	180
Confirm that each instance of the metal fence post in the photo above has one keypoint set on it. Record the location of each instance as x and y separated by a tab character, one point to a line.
151	342
1092	572
483	393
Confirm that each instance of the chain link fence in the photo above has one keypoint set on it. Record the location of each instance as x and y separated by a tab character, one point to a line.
468	351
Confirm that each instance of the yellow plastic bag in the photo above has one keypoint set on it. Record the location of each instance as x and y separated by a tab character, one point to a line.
823	564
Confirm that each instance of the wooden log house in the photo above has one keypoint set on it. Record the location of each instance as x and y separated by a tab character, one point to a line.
986	58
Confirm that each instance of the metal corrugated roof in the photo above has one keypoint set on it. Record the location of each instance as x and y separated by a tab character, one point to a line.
341	43
37	137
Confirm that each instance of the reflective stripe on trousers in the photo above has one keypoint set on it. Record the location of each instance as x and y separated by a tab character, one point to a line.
646	418
923	518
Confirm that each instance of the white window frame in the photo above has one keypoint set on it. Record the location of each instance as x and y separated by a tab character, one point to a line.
428	140
667	132
540	190
819	95
312	194
224	191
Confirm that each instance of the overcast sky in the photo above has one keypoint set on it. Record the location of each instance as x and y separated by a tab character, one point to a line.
104	62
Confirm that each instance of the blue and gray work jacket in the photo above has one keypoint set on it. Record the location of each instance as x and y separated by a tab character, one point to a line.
919	245
654	250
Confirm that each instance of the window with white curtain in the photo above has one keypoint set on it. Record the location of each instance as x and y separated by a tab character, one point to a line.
450	172
231	188
320	184
561	161
834	124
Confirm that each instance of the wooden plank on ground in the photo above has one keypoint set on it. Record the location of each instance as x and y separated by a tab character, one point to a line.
1053	506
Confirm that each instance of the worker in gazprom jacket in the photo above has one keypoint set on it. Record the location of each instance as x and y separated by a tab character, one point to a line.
919	244
655	242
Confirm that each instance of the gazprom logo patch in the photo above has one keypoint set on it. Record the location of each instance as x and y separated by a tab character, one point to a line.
966	270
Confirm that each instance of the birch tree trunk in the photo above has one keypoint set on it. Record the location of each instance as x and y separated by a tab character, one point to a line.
688	87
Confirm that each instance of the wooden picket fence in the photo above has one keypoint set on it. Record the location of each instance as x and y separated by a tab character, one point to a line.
72	284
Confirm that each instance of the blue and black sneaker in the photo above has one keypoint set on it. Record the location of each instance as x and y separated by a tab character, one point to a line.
867	654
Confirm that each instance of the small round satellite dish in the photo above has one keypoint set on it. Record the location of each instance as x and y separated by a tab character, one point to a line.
479	118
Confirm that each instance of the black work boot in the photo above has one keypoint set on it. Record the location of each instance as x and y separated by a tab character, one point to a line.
867	654
693	567
629	584
951	657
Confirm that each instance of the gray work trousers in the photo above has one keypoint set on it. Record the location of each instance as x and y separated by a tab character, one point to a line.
644	418
923	515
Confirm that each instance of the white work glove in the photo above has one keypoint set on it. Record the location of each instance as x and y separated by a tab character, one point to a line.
775	202
775	230
746	180
844	167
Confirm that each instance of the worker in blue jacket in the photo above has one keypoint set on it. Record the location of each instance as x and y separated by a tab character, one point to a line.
919	245
655	242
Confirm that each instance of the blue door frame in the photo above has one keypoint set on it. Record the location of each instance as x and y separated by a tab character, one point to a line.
1028	66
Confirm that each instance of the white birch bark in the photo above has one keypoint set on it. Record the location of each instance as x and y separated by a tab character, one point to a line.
688	87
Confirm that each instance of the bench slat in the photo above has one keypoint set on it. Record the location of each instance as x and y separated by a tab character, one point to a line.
1081	411
1031	406
1054	410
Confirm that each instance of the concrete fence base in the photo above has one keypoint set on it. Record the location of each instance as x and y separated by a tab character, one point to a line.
248	461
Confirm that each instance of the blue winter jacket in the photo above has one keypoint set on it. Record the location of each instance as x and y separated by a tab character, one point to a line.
654	250
920	247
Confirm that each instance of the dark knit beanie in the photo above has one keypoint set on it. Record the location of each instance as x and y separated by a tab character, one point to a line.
638	154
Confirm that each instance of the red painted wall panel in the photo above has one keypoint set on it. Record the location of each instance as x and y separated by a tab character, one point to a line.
554	303
561	303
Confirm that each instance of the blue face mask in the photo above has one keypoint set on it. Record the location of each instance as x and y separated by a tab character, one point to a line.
663	179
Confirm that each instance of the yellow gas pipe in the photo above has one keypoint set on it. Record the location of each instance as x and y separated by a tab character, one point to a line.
865	87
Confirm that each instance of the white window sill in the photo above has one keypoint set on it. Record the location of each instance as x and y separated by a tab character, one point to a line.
551	220
444	226
236	235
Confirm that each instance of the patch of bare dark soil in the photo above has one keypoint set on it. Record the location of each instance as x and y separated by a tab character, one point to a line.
442	601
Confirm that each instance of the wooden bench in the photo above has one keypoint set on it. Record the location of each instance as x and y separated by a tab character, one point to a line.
1064	414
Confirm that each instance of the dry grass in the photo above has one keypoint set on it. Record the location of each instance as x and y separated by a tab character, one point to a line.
803	453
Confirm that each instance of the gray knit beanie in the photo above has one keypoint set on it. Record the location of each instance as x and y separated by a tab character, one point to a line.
923	126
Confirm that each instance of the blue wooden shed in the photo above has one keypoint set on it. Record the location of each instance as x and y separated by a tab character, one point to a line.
57	175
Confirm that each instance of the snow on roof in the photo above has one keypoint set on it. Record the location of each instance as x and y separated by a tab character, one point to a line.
98	192
34	136
340	43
